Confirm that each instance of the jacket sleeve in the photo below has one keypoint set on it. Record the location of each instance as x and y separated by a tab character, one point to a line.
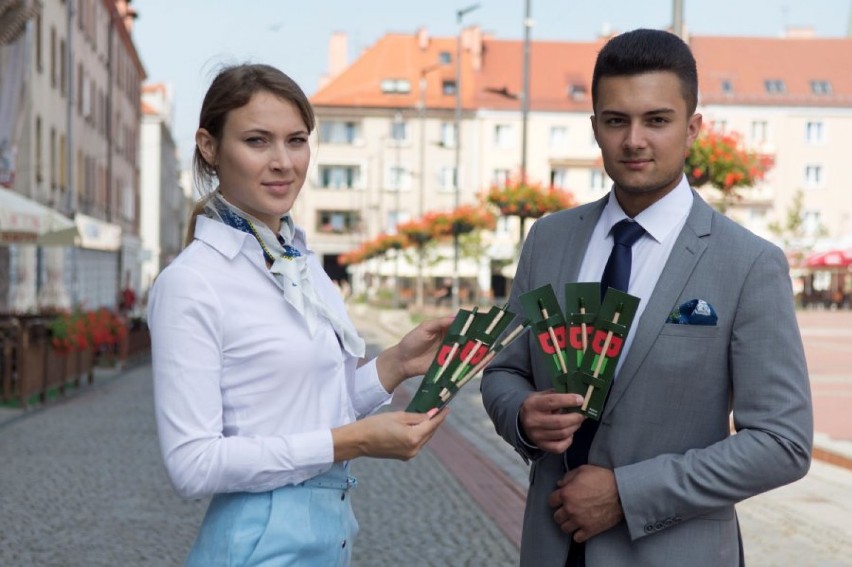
772	413
508	380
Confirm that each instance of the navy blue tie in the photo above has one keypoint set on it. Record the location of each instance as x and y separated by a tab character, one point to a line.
616	275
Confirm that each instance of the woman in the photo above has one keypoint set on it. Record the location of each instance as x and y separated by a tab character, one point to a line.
258	388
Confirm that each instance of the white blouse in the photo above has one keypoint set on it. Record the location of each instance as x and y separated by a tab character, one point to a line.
245	399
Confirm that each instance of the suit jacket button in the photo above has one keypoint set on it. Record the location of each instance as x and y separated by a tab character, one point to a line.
649	528
658	526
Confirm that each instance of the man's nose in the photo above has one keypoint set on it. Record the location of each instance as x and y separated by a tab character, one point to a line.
635	137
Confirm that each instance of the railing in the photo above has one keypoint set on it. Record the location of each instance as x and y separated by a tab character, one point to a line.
33	369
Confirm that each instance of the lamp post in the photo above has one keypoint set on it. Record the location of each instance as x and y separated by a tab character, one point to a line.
397	138
457	174
525	99
421	109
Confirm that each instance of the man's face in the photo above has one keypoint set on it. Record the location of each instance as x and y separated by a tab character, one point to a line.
642	126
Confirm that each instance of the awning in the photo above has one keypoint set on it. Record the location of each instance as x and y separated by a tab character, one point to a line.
96	234
24	221
835	258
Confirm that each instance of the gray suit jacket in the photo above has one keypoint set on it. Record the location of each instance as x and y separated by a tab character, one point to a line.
666	427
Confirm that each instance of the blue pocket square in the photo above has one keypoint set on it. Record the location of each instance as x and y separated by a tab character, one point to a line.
693	312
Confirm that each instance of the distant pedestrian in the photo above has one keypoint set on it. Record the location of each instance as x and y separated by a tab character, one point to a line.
261	394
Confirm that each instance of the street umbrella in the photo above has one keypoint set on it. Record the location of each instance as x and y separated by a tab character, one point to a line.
24	221
835	258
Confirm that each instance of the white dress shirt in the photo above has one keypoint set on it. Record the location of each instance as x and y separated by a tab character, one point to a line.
662	222
245	398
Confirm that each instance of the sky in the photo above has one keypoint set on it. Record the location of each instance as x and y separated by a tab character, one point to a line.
184	42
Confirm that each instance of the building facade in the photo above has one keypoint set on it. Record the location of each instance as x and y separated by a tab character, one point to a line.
164	207
386	122
77	153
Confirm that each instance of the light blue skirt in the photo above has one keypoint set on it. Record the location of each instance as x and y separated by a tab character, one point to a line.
305	524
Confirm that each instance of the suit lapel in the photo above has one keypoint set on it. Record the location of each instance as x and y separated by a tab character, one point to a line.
574	247
684	256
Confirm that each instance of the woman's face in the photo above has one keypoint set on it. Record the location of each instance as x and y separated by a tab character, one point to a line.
262	157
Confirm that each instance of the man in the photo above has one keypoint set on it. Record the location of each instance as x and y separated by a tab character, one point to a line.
663	470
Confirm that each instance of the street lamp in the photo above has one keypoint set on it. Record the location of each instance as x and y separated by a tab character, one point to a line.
421	109
397	138
525	100
457	174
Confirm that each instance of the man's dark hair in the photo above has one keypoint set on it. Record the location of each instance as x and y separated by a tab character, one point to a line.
644	51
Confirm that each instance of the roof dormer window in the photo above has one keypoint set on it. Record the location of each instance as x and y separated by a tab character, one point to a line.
774	86
444	58
727	86
577	91
821	87
396	86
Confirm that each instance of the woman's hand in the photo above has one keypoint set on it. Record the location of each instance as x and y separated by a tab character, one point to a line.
391	435
412	355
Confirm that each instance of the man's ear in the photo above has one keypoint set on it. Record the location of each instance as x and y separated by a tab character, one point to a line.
206	144
594	128
692	129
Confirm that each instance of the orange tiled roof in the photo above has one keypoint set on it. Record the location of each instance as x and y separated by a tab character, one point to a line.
560	73
747	62
395	56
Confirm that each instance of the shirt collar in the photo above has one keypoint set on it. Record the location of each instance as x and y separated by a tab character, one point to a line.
230	241
659	219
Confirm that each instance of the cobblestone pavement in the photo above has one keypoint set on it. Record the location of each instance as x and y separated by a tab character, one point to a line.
82	484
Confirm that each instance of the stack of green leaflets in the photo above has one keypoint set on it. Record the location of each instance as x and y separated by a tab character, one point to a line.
470	344
584	345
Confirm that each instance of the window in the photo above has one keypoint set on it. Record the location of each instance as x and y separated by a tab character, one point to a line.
559	178
597	180
447	179
397	178
53	56
38	47
813	176
814	132
774	86
759	129
448	134
811	222
63	162
38	150
395	218
63	72
396	86
821	87
499	177
577	91
337	222
504	136
339	176
54	164
399	131
338	132
726	86
445	58
448	88
558	138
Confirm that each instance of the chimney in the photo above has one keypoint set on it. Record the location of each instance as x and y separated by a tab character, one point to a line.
799	32
337	56
423	39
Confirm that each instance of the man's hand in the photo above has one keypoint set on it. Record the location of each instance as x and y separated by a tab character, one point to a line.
544	422
586	502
